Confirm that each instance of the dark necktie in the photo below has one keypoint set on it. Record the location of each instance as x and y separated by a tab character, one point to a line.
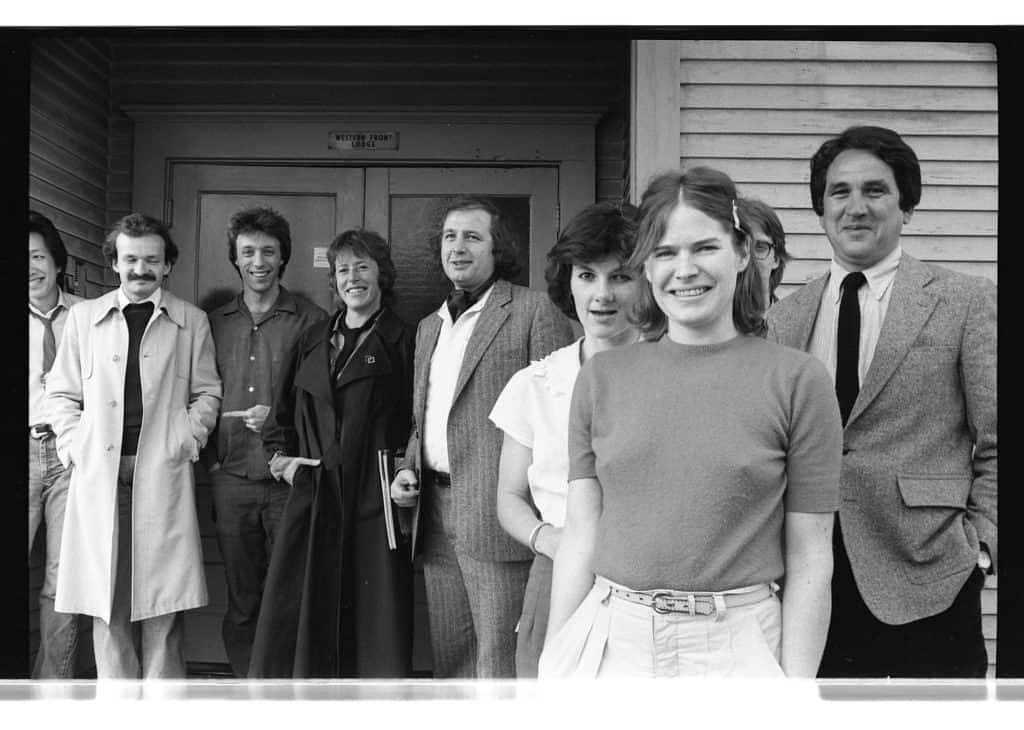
49	340
848	344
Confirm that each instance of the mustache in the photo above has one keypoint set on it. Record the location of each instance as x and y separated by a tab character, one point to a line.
141	277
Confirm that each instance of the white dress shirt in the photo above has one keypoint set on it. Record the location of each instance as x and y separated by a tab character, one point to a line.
445	364
873	299
36	330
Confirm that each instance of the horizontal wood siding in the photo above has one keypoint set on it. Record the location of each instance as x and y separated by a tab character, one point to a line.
759	109
68	149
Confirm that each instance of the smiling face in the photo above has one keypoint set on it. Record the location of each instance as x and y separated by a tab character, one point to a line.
862	216
258	260
467	249
42	274
603	293
141	264
693	271
357	279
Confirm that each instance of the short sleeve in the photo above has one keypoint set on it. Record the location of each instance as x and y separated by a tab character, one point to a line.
815	454
582	464
512	412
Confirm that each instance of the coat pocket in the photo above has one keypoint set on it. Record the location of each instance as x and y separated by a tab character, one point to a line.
188	450
933	534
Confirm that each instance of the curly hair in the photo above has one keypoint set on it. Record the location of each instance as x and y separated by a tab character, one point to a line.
260	220
595	233
505	251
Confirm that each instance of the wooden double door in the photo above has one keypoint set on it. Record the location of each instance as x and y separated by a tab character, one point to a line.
401	203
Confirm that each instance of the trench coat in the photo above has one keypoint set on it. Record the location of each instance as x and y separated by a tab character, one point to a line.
337	602
181	393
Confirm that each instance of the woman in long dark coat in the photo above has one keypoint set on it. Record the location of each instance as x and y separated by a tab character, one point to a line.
337	601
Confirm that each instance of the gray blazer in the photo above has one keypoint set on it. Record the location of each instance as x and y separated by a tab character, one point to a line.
918	483
517	326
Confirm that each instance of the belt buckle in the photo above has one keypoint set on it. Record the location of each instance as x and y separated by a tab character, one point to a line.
661	607
39	434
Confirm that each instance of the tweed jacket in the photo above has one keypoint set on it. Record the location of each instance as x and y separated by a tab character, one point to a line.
918	482
515	327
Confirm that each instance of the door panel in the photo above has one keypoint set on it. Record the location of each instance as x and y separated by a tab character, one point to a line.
415	197
318	202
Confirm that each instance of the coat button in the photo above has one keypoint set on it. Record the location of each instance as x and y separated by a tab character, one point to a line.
117	358
110	447
251	388
113	404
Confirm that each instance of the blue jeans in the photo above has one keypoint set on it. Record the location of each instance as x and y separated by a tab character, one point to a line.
47	496
247	514
126	649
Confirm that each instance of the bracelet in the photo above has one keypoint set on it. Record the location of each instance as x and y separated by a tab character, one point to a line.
533	535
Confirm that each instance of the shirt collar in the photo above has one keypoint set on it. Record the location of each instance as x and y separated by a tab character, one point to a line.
879	277
62	301
155	297
285	302
444	314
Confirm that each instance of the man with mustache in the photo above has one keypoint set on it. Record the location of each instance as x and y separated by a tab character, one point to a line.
485	332
132	396
912	349
253	334
48	307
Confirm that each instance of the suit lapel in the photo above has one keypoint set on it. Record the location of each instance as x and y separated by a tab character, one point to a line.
426	341
492	317
797	333
909	309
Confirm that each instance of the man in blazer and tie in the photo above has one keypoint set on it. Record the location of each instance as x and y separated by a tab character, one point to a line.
466	351
912	348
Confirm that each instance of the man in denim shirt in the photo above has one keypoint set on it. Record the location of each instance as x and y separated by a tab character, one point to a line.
253	333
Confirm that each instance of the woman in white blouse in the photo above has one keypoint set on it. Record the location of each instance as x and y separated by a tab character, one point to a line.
588	280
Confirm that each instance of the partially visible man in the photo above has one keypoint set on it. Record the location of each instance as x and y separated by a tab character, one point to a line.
912	348
132	396
48	307
768	245
253	334
485	331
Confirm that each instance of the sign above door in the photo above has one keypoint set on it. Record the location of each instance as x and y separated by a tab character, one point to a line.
362	140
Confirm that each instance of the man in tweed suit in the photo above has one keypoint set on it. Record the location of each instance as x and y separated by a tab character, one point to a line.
485	331
916	527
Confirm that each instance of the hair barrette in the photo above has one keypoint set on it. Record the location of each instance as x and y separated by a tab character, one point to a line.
735	216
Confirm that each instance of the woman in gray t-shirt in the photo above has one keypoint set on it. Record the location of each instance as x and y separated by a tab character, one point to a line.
703	466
